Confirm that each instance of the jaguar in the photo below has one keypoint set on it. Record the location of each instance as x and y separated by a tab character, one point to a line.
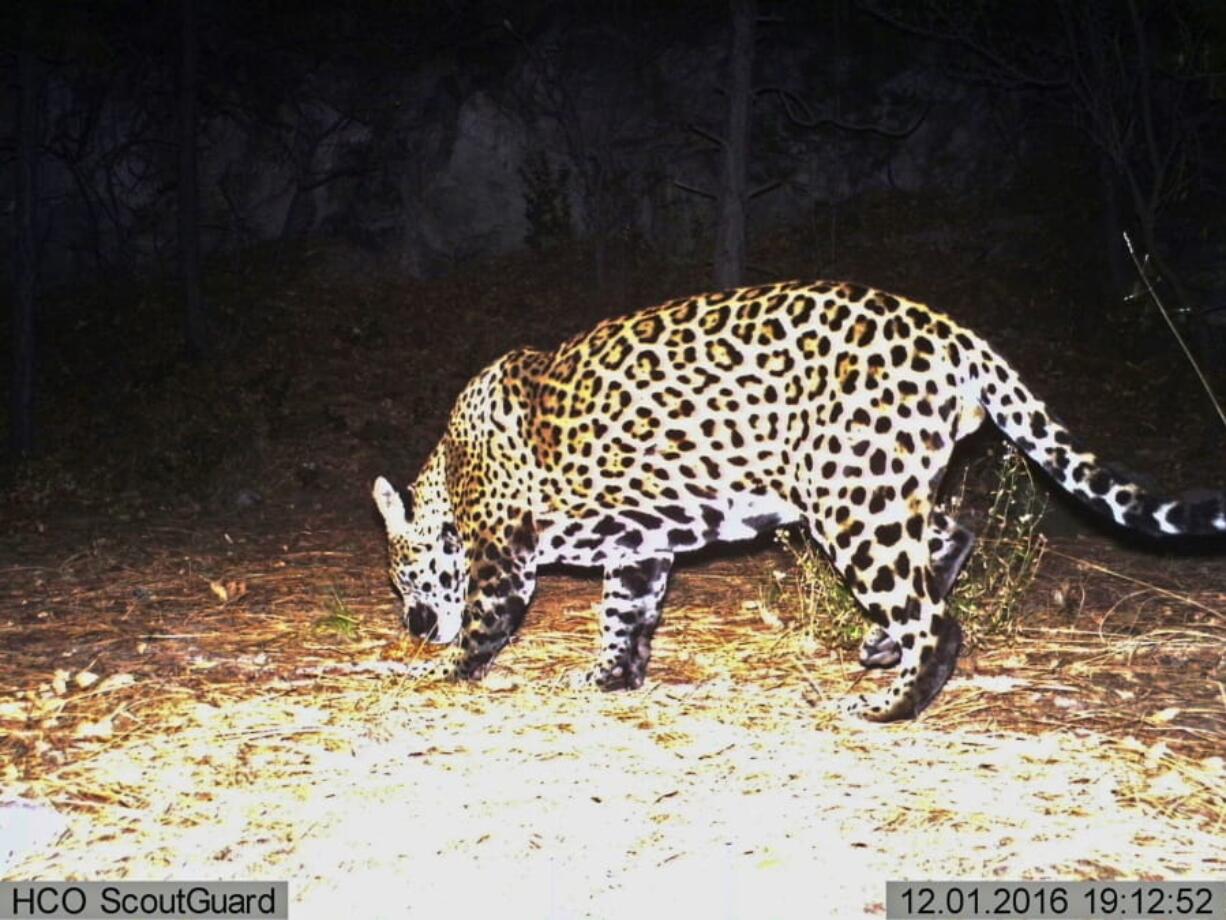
716	418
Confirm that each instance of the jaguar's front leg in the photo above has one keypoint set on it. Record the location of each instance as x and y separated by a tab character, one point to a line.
501	584
920	638
629	615
498	597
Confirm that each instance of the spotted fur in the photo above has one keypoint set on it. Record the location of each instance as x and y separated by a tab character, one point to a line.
715	418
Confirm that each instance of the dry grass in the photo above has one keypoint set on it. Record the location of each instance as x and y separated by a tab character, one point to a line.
102	648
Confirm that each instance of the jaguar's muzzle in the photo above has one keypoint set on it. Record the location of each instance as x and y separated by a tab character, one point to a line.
421	621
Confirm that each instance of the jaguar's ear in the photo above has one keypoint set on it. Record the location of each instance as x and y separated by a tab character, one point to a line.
387	500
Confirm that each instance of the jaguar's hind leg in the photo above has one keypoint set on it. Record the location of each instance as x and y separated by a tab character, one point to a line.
630	613
879	649
901	574
949	545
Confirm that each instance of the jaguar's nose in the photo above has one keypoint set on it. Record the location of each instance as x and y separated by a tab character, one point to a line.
421	621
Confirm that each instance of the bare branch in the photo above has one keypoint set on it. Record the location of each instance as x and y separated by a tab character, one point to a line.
965	36
799	113
704	133
693	189
765	187
333	175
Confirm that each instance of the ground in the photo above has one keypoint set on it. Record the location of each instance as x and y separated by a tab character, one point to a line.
221	741
197	644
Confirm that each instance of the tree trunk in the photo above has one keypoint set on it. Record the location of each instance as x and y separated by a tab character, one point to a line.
1119	274
600	261
25	253
195	320
730	242
301	214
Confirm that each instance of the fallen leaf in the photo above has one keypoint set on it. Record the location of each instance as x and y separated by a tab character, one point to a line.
770	618
14	712
228	590
114	682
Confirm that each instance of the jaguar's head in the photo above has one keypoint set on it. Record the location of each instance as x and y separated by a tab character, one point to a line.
427	562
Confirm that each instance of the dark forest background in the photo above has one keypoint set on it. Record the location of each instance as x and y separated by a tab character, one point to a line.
242	225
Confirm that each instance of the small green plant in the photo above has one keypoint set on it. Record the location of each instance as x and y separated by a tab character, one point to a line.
339	619
986	598
1009	549
822	605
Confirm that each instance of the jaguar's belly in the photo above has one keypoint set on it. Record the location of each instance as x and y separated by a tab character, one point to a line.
598	536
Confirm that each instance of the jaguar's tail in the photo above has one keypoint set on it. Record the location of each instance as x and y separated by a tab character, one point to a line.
1025	420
